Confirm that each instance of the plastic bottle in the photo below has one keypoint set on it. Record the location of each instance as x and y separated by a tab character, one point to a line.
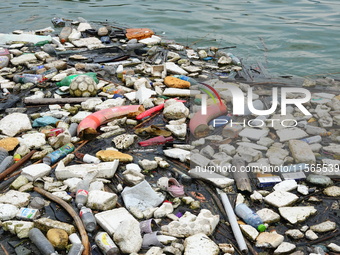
76	249
56	155
26	78
186	78
7	162
3	154
235	60
106	244
52	132
87	158
82	193
73	129
250	217
88	219
67	80
64	34
312	139
42	243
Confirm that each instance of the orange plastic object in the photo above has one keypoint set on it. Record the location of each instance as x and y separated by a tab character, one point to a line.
138	33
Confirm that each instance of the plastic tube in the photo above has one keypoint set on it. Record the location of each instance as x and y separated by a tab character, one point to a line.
87	127
199	122
233	221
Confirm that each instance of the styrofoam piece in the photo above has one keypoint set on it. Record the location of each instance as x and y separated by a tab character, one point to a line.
218	180
101	200
110	220
141	196
7	211
104	170
177	153
32	172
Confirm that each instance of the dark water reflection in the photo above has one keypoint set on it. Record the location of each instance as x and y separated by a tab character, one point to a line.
289	37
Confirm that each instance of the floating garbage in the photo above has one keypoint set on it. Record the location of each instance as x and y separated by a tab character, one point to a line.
112	141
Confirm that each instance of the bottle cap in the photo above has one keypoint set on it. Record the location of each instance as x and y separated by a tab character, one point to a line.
261	228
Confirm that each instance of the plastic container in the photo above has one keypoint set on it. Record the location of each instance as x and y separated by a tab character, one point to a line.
106	244
250	217
64	34
28	78
42	243
55	156
82	193
312	139
28	214
88	219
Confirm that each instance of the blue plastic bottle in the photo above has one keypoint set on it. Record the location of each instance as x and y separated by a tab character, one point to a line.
186	78
249	217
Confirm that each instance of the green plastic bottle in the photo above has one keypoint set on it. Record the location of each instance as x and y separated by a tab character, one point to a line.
42	43
67	80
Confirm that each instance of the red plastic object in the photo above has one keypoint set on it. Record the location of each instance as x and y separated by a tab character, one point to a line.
152	110
156	140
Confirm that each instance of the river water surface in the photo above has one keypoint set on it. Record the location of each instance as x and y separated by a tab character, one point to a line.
289	37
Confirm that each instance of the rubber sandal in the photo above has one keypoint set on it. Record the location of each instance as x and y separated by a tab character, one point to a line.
171	185
148	226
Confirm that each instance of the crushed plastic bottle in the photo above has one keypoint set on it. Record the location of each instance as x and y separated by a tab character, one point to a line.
250	217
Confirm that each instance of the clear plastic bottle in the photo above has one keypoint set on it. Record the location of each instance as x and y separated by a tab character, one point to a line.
28	78
106	244
64	34
42	243
88	219
235	60
250	217
82	194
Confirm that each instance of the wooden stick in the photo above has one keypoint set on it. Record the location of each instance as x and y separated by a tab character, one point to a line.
74	215
47	101
241	177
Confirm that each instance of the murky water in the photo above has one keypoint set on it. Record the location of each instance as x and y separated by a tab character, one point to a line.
299	37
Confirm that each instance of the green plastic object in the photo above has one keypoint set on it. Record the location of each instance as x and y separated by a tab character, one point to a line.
67	80
42	43
261	228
